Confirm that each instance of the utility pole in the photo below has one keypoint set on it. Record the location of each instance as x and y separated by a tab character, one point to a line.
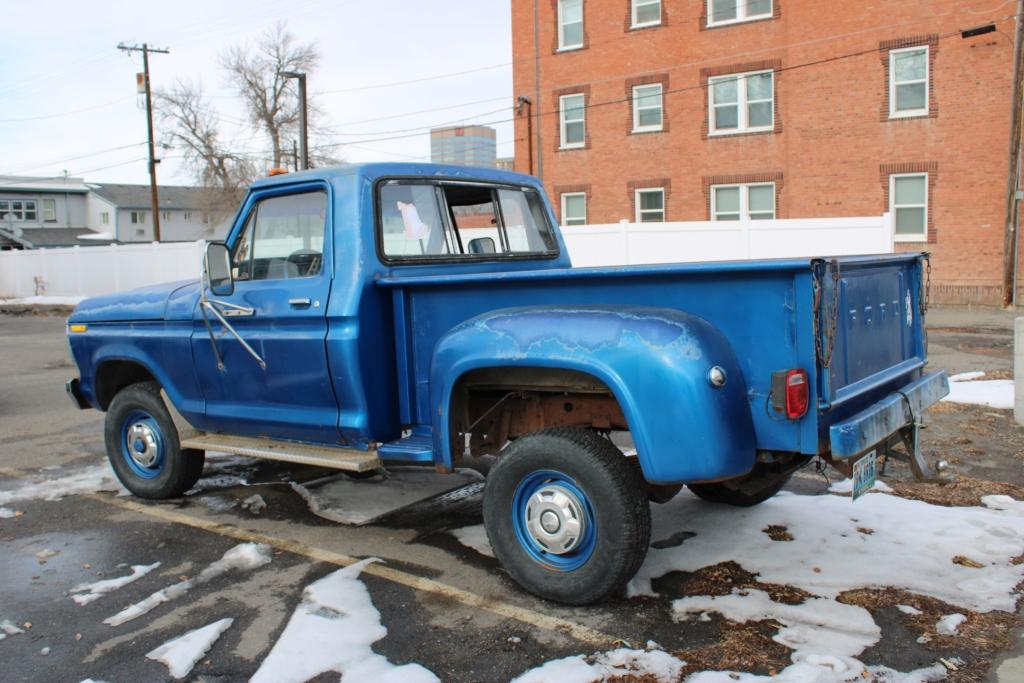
1011	238
145	49
295	155
303	133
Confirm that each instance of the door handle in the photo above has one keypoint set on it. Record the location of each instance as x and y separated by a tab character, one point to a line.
299	303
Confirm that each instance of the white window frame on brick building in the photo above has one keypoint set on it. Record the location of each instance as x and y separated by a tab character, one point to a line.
644	103
742	211
742	103
564	24
903	208
569	218
564	122
743	12
895	84
644	5
650	215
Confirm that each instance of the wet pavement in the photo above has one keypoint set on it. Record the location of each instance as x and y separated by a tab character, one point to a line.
445	605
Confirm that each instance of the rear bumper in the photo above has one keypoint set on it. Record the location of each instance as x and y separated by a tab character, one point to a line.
74	389
878	422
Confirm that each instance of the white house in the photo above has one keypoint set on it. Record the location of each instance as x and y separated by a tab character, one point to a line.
125	212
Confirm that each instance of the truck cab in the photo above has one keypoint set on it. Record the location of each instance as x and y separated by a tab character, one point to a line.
378	313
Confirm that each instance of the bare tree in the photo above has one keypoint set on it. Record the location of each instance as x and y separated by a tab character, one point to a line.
256	76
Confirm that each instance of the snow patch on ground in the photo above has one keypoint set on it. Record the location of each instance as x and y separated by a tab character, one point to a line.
333	629
907	609
91	479
826	669
967	376
606	665
994	393
474	537
846	486
948	625
7	628
816	626
7	513
839	545
243	557
182	653
89	592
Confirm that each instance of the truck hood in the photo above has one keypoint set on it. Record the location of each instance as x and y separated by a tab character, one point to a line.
145	303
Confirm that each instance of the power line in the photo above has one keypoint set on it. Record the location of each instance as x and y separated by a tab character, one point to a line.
60	160
67	113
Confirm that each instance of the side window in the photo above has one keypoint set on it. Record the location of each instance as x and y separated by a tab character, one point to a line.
283	238
410	221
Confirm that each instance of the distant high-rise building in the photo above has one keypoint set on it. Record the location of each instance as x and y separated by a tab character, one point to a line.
463	145
505	164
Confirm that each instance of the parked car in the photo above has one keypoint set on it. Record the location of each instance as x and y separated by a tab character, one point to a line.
371	314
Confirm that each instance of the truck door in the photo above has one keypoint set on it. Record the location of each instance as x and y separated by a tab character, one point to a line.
282	266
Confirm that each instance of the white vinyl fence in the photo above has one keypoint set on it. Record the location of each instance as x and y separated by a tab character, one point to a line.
88	271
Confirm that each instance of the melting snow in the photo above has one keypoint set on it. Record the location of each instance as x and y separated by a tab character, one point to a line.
88	480
243	557
182	653
333	629
967	388
622	662
474	537
7	513
907	609
846	486
8	629
90	592
947	625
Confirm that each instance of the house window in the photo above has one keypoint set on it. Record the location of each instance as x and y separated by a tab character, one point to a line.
650	205
140	232
18	210
165	215
570	24
105	218
741	103
50	210
137	217
647	108
572	120
646	13
750	202
187	216
908	82
734	11
908	200
574	208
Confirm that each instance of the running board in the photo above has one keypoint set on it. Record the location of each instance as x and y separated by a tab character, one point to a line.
348	459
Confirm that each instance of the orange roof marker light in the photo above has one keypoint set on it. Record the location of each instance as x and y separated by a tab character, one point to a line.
276	171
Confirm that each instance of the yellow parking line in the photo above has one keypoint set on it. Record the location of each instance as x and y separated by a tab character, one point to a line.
495	606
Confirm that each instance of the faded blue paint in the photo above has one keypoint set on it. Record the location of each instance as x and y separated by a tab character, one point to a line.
385	346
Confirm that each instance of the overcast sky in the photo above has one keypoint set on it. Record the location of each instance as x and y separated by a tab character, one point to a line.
59	57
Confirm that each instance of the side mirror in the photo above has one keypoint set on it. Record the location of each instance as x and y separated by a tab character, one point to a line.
482	245
218	269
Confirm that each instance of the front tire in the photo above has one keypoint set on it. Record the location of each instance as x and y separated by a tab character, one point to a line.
567	515
143	448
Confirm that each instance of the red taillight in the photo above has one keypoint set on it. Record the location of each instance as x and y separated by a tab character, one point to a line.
796	394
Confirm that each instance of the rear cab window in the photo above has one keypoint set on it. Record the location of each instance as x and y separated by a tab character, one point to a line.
438	220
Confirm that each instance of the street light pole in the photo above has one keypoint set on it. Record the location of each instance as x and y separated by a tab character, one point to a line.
303	132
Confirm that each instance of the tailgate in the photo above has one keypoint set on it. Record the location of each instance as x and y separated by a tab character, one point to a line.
870	315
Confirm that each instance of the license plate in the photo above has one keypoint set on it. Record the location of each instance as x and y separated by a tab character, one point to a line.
864	474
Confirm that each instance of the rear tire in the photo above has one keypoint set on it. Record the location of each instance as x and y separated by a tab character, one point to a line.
567	515
757	486
143	448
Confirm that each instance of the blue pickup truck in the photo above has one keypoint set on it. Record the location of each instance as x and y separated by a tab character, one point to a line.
380	313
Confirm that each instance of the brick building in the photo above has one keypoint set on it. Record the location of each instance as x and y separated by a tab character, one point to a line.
713	109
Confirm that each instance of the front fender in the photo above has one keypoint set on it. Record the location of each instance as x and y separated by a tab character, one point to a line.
655	361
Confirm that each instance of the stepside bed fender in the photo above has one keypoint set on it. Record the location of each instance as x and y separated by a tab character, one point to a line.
655	361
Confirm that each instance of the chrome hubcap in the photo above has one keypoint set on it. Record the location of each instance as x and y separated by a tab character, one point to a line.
555	519
142	444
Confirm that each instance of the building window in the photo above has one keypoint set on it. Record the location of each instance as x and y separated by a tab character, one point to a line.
574	208
734	11
187	216
752	202
908	82
140	232
18	210
908	200
647	108
572	120
741	103
570	24
646	13
50	210
137	217
650	205
165	215
105	218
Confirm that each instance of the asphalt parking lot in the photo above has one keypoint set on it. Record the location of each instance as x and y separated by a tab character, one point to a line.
446	605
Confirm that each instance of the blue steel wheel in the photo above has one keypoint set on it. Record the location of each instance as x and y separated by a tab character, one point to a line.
142	444
553	520
143	447
567	515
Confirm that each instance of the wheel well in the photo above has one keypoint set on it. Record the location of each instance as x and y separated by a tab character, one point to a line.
114	375
495	405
